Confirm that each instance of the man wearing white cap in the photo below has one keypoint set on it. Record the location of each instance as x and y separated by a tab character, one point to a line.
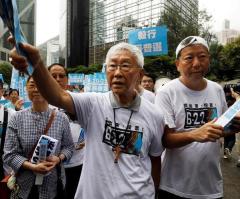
190	167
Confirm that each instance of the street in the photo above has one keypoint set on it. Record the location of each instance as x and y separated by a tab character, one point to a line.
231	177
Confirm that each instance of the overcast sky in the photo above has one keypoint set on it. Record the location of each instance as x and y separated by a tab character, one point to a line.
223	9
47	20
48	16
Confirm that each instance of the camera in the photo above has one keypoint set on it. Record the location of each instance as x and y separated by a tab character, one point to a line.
227	90
235	87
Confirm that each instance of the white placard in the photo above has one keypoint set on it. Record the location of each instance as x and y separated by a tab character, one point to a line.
224	119
52	144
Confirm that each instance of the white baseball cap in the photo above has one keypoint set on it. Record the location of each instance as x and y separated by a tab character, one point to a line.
190	41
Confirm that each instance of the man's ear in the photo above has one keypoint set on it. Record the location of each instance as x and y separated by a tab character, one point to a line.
177	64
140	76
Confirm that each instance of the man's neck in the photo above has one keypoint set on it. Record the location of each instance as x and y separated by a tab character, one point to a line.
196	85
40	107
126	100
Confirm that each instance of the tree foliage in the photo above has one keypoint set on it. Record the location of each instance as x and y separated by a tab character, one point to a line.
215	52
161	66
179	28
86	70
6	71
230	60
205	25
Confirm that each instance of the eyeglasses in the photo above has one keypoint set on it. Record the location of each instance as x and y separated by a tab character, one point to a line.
125	67
61	76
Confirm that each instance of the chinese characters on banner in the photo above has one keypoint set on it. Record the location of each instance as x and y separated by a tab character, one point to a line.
152	41
96	82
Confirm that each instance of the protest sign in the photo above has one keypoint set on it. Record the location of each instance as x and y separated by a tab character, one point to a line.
51	147
232	111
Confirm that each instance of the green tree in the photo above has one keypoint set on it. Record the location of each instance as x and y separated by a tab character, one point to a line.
6	71
86	70
215	64
230	59
205	22
179	28
161	66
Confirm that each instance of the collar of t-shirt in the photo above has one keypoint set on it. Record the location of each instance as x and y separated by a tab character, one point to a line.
134	106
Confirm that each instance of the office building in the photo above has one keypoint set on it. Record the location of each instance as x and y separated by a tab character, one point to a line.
227	35
74	32
110	20
49	51
87	34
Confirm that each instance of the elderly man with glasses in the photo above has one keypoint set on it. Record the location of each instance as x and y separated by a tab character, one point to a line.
191	165
123	139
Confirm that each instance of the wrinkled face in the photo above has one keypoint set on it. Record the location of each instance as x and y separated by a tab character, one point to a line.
193	62
123	73
59	75
147	83
14	96
33	93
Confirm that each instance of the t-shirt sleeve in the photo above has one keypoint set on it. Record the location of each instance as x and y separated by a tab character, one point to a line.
83	103
156	147
163	102
224	103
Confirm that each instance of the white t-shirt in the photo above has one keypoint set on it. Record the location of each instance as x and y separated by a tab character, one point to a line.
150	96
130	178
79	143
191	171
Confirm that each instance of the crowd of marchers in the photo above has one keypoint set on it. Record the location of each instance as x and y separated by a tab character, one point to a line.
134	141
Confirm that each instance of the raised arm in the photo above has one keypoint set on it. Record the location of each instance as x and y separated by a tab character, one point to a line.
46	84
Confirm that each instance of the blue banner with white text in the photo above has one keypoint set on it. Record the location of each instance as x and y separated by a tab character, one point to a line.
152	41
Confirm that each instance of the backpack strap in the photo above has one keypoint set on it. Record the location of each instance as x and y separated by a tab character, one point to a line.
52	116
4	129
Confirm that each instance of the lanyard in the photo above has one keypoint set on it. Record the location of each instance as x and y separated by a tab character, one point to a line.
117	148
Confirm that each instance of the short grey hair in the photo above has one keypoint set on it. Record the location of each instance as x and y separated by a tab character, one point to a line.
134	50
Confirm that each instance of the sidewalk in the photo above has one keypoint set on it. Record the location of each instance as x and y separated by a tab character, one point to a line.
231	177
